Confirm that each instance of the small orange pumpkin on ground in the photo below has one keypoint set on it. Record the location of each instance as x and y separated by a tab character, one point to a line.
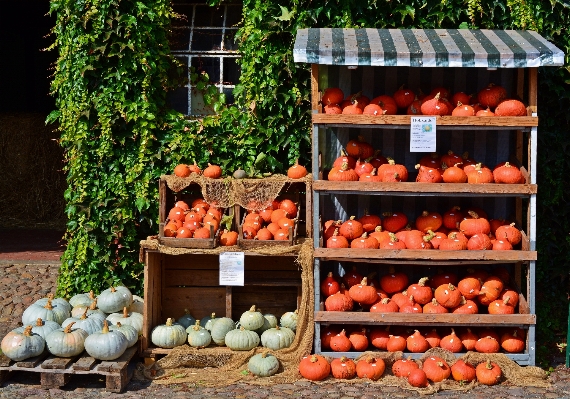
314	367
370	368
343	368
488	373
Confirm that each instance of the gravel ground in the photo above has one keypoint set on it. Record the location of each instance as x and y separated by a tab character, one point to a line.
22	284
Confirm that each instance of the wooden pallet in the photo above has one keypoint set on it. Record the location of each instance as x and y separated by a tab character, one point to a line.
56	371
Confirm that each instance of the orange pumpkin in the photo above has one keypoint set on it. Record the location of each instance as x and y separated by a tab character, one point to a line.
370	368
343	368
462	371
488	373
314	367
340	342
436	369
403	367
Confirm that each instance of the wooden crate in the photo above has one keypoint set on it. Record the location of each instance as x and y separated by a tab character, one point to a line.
56	371
174	283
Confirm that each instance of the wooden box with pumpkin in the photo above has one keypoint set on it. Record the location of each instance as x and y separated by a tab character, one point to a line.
395	124
188	284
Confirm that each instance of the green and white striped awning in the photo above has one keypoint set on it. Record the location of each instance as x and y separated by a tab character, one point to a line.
426	48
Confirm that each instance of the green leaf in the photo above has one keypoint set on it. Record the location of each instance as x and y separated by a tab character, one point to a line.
285	14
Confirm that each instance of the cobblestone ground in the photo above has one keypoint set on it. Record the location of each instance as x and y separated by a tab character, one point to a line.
21	285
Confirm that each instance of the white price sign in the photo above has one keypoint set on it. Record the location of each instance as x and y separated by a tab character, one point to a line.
232	268
422	134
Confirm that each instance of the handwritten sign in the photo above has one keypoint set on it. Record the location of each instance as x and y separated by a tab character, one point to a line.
422	134
232	266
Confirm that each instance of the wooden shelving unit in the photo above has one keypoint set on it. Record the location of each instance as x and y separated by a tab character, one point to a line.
356	60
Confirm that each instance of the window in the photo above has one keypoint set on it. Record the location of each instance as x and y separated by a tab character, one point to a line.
204	39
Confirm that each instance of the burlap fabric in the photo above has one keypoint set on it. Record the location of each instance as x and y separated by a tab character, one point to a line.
251	194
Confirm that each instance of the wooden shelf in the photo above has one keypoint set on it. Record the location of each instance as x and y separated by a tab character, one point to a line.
445	319
425	189
403	121
363	255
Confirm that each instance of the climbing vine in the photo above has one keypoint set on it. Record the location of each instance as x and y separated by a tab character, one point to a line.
115	67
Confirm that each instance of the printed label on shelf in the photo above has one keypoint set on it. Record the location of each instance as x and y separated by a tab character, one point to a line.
232	268
422	134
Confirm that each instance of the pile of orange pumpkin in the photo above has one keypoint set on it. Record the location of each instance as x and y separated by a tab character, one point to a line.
442	293
434	369
490	101
211	171
271	223
361	162
454	230
194	221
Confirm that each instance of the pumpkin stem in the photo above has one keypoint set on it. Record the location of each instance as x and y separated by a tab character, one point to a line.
125	312
39	322
93	305
314	359
277	327
50	296
91	295
84	315
488	366
67	329
48	305
105	328
364	279
264	354
27	331
252	309
169	321
113	289
119	324
423	281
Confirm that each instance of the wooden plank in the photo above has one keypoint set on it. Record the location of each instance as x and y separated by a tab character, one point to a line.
32	362
229	301
198	243
425	319
197	278
162	200
315	95
118	364
523	305
54	380
274	283
84	363
253	261
152	295
370	188
403	120
349	253
200	301
58	363
532	88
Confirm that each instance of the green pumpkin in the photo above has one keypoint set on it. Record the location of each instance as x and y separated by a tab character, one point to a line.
270	321
289	320
251	319
168	335
22	345
198	336
41	327
106	345
263	364
220	328
82	299
208	321
48	311
186	320
242	339
129	332
137	305
125	318
92	308
277	338
60	302
114	299
66	342
91	324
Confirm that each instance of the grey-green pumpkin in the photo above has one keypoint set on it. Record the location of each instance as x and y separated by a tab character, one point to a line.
41	327
114	299
208	321
22	345
198	336
251	319
67	342
186	320
127	318
289	320
277	338
137	305
60	302
106	345
168	335
91	308
129	332
241	339
90	323
82	299
220	328
48	311
263	364
270	322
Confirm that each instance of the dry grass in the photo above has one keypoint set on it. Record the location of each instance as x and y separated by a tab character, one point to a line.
32	183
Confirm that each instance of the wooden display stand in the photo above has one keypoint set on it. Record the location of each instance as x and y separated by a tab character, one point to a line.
379	61
174	283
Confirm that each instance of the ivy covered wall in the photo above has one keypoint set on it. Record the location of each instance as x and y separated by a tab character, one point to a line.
110	83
